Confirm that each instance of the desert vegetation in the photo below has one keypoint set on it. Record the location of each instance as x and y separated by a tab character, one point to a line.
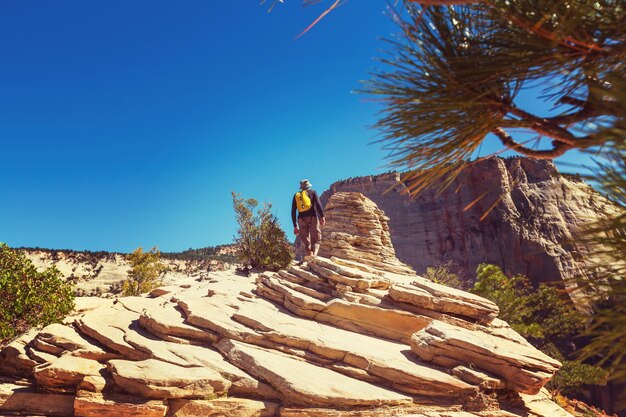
261	243
28	297
146	271
220	253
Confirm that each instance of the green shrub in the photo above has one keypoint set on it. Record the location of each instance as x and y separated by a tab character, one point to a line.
29	298
545	319
260	240
441	274
146	271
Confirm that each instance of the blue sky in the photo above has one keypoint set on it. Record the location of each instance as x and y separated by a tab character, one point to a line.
126	124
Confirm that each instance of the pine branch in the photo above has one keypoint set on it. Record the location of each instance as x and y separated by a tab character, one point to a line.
559	148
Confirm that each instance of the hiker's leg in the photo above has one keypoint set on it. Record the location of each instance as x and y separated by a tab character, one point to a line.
303	227
316	234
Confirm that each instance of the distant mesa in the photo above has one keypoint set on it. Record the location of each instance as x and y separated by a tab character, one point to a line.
532	230
352	334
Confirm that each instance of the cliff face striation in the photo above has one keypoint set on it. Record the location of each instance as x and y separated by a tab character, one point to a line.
333	337
531	230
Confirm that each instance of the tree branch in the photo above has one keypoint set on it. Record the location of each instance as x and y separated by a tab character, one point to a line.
544	126
578	116
559	148
551	126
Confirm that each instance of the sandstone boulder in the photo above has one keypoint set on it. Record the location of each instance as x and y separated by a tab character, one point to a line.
156	379
65	372
16	399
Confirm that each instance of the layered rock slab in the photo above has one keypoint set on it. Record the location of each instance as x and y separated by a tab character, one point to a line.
302	383
62	338
16	399
357	229
390	361
221	407
66	372
436	297
524	369
88	404
156	379
391	323
109	327
164	319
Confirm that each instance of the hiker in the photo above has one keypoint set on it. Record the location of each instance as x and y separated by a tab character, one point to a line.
310	217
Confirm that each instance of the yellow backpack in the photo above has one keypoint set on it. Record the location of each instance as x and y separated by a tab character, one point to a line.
303	202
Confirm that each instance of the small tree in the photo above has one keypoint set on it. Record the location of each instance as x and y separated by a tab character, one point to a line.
28	297
146	271
260	240
442	274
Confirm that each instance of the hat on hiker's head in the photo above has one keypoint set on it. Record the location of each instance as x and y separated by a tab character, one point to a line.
305	184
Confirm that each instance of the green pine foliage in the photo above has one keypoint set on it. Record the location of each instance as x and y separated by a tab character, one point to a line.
545	319
146	271
261	243
607	238
28	297
455	74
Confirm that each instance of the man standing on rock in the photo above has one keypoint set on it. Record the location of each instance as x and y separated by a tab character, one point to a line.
310	217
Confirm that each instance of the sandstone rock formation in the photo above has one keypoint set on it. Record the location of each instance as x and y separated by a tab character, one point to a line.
332	337
532	229
357	229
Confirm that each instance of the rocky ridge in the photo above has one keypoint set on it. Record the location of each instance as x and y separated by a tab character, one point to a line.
102	273
332	337
532	228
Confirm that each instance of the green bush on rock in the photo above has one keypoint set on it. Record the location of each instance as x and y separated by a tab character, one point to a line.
260	242
28	297
146	271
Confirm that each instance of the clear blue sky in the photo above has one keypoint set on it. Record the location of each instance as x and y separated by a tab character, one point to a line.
128	123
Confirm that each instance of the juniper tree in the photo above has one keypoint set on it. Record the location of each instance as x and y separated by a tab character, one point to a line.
260	240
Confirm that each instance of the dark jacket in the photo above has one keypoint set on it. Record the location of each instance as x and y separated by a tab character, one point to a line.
315	210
